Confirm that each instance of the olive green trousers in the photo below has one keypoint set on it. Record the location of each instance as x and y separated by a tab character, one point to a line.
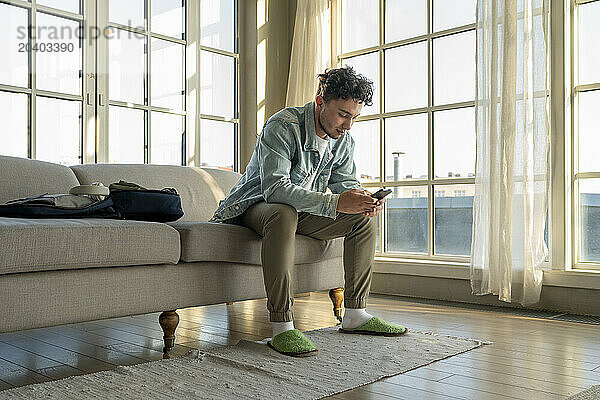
278	224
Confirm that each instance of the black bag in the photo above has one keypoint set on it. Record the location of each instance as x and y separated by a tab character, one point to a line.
126	201
132	201
53	206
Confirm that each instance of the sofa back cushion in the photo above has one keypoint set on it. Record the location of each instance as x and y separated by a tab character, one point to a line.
23	177
201	189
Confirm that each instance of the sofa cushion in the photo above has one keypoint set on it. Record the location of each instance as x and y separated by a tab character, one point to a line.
49	244
22	177
200	189
210	241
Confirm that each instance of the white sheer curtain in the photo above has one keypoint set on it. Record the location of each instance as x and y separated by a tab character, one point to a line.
512	171
311	49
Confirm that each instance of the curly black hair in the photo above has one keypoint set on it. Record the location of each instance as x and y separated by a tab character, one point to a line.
345	83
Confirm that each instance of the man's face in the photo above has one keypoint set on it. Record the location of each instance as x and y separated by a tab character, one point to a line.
335	117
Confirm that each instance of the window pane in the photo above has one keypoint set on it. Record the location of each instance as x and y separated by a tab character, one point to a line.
217	144
452	13
538	53
168	18
405	19
217	24
127	67
589	209
67	5
13	30
521	5
166	138
126	135
454	68
167	74
406	216
58	131
13	135
130	13
453	219
406	77
589	37
58	71
368	65
454	134
216	87
536	6
589	121
406	147
366	150
360	24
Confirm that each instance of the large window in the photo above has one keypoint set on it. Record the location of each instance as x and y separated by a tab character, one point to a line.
218	87
42	81
146	81
586	122
120	81
420	131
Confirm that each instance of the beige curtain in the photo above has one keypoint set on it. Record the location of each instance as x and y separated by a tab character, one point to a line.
311	49
512	167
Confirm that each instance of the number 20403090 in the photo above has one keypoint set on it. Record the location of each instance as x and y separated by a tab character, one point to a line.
46	47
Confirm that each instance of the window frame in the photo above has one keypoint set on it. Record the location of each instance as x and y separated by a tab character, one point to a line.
431	182
237	167
103	101
571	129
87	13
562	207
94	97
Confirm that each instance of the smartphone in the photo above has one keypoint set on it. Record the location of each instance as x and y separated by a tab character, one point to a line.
381	193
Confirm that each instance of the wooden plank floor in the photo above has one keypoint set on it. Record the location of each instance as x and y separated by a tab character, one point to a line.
530	358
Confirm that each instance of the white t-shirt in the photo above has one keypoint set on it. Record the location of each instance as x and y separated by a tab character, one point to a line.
321	146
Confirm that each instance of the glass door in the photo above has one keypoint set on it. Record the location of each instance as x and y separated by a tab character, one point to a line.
45	78
120	81
141	81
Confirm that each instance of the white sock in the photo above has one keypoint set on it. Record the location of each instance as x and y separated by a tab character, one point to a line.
355	317
279	327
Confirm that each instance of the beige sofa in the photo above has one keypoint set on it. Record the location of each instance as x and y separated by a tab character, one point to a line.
59	271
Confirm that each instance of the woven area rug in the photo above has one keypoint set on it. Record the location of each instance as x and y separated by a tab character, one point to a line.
592	393
251	370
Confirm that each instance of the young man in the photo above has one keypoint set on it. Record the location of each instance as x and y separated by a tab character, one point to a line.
301	152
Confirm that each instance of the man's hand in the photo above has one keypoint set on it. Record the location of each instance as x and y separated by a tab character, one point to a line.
356	201
378	207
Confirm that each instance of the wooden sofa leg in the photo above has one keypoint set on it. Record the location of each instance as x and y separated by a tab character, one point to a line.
337	298
168	321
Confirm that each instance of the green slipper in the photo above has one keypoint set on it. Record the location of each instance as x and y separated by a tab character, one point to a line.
292	343
379	327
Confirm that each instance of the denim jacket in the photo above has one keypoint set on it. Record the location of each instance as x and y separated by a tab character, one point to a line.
284	157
